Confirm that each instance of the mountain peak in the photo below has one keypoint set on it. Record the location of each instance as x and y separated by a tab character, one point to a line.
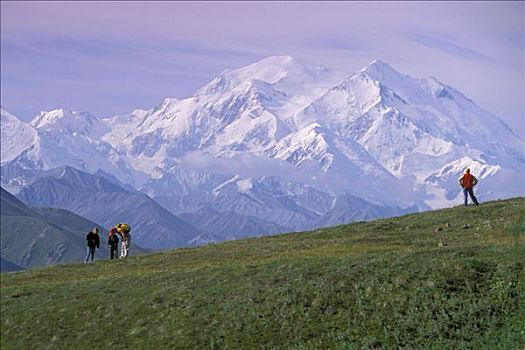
66	122
270	69
45	120
378	69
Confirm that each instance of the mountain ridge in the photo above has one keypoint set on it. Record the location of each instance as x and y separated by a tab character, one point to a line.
36	237
377	134
98	199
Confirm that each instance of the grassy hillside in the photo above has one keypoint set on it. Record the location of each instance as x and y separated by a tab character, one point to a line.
448	279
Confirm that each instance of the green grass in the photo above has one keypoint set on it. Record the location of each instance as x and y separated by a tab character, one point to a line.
448	279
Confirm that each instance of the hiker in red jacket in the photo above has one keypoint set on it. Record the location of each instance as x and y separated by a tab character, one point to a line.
113	243
467	182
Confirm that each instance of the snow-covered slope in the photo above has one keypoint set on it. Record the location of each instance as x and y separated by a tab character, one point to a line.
70	123
17	136
391	140
239	111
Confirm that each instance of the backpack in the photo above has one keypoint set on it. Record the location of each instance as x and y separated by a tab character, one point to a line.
124	227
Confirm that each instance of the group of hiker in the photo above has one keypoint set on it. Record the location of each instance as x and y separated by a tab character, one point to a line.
120	230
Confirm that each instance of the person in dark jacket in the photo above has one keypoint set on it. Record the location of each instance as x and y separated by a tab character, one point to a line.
93	243
113	243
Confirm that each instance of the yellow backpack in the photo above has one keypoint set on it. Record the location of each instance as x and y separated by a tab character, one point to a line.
124	227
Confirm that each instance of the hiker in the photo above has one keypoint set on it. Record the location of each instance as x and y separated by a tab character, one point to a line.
124	232
113	243
467	182
93	242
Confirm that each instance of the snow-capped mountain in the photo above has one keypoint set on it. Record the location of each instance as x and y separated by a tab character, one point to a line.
415	127
278	140
239	111
58	138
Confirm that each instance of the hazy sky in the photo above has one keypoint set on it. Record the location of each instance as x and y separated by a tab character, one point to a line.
112	57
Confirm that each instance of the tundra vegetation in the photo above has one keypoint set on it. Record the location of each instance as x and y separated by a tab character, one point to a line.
445	279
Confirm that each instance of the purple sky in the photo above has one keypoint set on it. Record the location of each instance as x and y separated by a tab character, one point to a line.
113	57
